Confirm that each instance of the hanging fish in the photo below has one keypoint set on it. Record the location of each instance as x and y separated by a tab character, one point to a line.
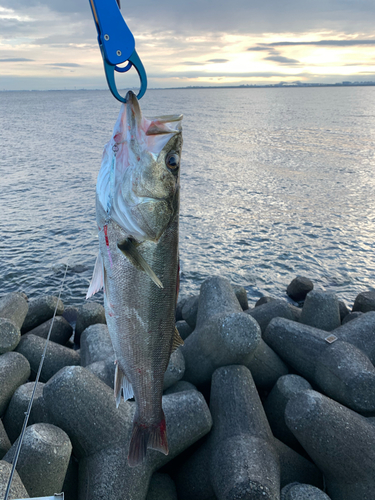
137	210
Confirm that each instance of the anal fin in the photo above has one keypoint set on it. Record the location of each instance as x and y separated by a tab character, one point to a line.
129	249
122	382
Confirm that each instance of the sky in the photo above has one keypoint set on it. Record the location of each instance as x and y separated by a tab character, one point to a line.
51	44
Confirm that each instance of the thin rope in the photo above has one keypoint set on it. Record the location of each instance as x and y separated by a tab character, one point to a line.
27	414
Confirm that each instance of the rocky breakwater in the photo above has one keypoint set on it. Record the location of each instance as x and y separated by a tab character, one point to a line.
269	402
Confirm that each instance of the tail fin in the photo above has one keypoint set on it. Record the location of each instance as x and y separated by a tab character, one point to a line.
143	437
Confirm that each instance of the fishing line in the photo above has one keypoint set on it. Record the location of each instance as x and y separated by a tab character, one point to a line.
27	414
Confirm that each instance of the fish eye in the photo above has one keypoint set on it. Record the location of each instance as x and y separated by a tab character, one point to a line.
172	161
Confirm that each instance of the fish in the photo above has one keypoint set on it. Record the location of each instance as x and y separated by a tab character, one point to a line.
137	213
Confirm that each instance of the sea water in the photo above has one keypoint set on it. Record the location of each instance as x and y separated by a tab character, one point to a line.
275	183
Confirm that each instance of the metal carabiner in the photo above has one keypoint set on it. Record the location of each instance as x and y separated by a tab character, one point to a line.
117	44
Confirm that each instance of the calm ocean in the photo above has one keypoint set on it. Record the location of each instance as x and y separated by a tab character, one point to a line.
275	183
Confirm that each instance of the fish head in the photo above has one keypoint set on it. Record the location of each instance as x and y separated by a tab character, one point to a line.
150	183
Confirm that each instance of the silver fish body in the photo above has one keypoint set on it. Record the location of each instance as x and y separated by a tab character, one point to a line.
140	272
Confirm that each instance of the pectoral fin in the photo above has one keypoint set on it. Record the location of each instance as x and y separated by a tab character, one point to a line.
129	249
97	280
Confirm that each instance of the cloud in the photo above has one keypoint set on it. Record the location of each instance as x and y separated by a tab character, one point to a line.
215	74
260	47
192	63
65	65
281	59
318	43
16	59
218	60
239	16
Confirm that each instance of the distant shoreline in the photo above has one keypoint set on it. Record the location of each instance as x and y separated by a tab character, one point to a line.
199	87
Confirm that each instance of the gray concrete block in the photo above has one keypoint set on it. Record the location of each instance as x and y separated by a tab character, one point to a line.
339	441
17	489
192	479
266	366
183	329
361	333
15	415
193	482
60	333
296	312
346	374
96	345
299	288
341	370
321	310
223	335
298	345
351	316
294	467
243	463
90	313
70	314
10	335
216	298
275	404
56	357
41	310
221	340
5	443
104	370
161	487
344	310
14	371
14	307
101	439
180	305
298	491
70	486
274	309
190	310
175	369
263	300
365	302
43	460
241	294
180	386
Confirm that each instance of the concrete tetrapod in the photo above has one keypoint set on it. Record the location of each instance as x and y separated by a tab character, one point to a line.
224	334
14	371
340	442
341	370
57	356
360	332
244	463
275	404
15	415
298	491
193	482
43	460
85	408
321	310
17	489
41	310
14	307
